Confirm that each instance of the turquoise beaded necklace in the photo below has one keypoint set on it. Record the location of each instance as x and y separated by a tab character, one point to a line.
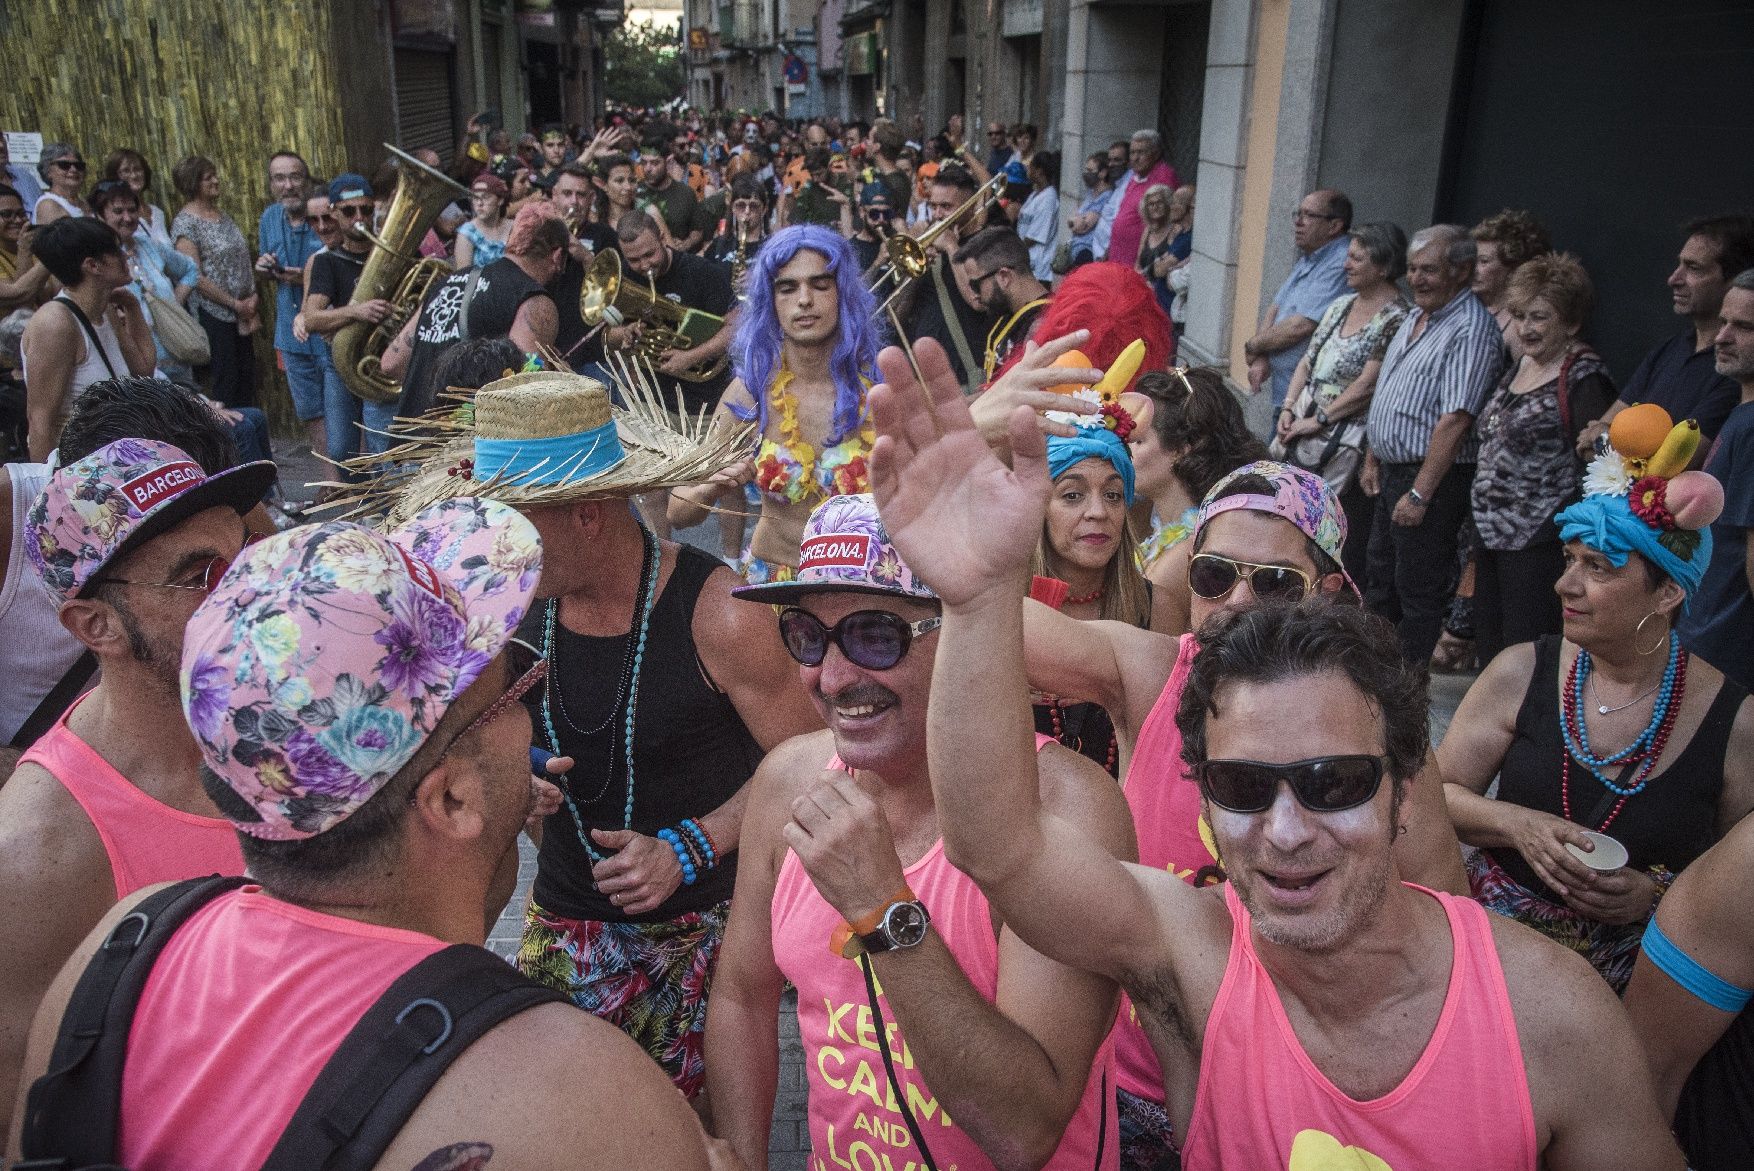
1577	734
649	591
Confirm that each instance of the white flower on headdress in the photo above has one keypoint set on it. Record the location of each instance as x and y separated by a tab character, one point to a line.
1089	395
1607	475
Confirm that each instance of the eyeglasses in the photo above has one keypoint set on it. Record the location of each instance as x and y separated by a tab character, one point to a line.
1213	577
873	639
1300	214
354	211
528	669
69	164
212	570
1321	784
976	283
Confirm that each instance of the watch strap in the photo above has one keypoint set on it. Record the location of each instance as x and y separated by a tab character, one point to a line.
865	924
847	939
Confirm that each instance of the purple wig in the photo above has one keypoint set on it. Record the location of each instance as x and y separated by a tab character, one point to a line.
755	351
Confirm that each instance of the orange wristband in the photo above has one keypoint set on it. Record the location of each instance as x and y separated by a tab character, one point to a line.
843	940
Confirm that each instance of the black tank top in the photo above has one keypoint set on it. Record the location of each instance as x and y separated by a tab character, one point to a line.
1715	1117
501	289
1672	822
691	750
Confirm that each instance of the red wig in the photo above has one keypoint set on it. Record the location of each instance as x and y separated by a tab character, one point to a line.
1116	305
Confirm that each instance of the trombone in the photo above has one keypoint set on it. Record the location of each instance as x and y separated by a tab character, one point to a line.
910	256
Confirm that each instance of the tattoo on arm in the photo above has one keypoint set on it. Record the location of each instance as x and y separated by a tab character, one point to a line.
457	1157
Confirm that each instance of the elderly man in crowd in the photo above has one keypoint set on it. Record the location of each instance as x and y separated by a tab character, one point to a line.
1319	226
1123	223
1441	365
1683	375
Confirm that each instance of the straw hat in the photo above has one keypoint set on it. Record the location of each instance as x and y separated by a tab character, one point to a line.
546	437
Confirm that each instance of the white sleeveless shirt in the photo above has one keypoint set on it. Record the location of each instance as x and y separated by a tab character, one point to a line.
91	367
35	650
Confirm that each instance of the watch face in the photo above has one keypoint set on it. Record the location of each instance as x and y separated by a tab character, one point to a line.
905	924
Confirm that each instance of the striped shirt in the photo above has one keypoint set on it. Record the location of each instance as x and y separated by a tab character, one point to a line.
1452	366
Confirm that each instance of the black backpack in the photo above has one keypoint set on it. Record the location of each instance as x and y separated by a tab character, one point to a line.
365	1093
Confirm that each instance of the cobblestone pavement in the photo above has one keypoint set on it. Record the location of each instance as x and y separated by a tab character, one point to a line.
789	1146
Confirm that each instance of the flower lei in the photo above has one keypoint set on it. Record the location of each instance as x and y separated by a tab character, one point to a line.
789	468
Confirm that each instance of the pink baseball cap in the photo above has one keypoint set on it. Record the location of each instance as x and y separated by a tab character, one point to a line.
845	548
124	493
1299	496
330	652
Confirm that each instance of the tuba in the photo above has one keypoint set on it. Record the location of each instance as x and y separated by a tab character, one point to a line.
609	298
396	272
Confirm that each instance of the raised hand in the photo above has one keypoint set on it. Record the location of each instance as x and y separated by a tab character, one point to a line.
1026	385
961	519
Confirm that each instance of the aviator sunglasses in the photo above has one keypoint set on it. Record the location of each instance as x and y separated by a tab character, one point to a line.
1322	784
873	639
1213	577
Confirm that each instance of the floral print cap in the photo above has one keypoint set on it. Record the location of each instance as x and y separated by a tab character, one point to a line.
845	548
124	493
1300	496
330	652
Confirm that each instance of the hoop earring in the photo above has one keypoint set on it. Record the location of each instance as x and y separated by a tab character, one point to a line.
1660	642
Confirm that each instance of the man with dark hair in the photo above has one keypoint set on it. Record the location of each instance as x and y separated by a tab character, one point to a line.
348	420
940	305
840	846
675	201
109	799
1719	625
690	281
507	298
744	226
1681	375
377	799
1314	1008
873	225
573	194
93	329
995	267
1319	227
885	149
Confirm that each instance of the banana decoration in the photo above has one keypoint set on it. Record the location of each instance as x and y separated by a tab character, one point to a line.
1119	375
1676	451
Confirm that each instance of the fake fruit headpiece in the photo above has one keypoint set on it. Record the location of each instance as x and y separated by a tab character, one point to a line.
1640	498
1110	393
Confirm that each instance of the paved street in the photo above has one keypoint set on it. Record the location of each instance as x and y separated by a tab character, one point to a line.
789	1148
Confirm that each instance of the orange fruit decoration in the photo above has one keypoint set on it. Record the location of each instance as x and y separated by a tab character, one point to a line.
1637	432
1077	360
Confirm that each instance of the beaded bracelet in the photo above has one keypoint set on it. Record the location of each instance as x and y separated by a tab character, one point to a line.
675	842
694	852
698	832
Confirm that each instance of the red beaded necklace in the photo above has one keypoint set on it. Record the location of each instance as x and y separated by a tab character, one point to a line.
1085	599
1646	758
1114	748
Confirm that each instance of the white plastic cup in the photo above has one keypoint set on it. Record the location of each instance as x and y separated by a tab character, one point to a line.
1609	854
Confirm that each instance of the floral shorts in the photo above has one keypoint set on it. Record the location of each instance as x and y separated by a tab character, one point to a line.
1147	1138
650	980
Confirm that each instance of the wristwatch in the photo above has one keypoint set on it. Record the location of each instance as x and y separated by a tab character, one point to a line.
1413	495
1321	416
901	923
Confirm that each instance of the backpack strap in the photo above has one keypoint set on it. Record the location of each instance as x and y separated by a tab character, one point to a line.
400	1048
73	1111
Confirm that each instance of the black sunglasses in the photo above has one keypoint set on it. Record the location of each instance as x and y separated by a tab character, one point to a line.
1322	784
69	164
873	639
1213	577
354	211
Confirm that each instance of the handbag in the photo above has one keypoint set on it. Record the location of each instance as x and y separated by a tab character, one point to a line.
1334	453
1061	264
178	332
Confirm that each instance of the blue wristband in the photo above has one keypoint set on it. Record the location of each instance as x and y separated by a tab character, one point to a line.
675	843
1692	975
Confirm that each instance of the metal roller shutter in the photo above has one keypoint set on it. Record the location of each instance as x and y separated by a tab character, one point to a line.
423	102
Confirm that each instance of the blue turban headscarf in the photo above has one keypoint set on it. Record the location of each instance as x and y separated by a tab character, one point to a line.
1092	443
1608	525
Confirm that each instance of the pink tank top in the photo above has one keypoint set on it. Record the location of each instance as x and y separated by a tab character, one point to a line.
148	842
246	1003
1173	836
1262	1102
854	1120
